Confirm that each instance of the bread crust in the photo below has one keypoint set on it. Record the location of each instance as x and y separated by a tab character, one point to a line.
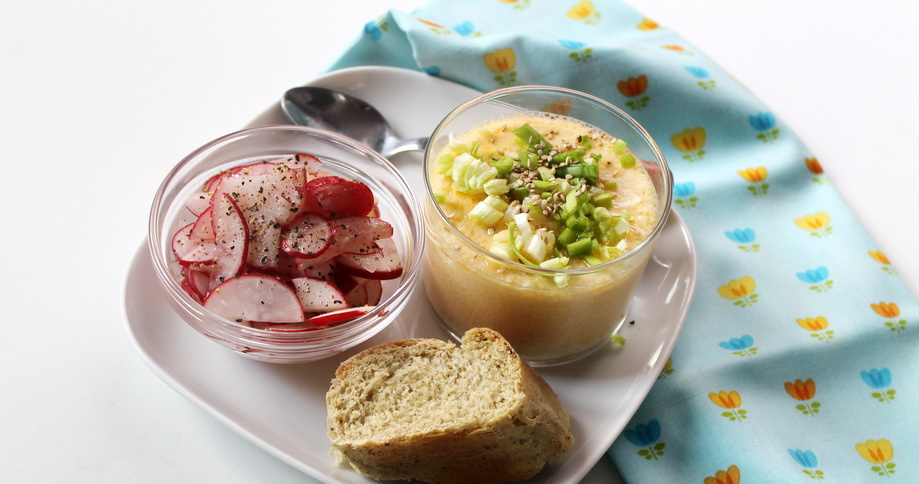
512	443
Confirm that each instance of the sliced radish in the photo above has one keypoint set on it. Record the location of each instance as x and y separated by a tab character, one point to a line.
359	291
255	297
382	265
198	280
339	316
264	223
302	160
358	235
334	196
188	286
203	228
323	269
308	237
188	251
286	327
198	202
374	292
231	236
319	296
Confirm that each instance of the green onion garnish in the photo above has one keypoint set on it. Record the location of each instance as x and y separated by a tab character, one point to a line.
531	136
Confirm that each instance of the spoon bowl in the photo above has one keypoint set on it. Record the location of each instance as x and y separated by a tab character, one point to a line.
342	113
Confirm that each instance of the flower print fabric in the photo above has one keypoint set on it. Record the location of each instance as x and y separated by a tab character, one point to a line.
800	326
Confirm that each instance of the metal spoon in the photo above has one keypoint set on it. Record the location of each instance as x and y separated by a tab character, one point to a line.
342	113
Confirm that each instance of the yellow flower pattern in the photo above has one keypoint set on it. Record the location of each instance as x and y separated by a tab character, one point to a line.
878	452
883	260
817	224
818	326
691	142
502	62
757	177
584	11
741	291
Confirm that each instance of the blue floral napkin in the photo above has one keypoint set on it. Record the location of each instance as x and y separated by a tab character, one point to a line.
798	360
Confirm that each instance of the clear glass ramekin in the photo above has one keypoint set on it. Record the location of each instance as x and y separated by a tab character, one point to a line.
470	286
340	156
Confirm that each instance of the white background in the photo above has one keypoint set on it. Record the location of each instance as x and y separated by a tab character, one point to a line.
99	98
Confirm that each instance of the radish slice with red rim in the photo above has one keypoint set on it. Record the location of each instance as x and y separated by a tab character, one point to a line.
336	317
358	235
255	297
383	265
188	251
333	196
231	237
308	237
319	296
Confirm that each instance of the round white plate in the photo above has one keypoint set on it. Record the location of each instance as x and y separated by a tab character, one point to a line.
281	408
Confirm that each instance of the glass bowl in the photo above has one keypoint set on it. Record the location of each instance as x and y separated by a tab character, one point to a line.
339	156
551	316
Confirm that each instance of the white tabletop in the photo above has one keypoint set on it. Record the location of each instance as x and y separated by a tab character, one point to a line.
100	98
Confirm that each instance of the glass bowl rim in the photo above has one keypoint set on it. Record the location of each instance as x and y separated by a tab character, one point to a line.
496	95
314	338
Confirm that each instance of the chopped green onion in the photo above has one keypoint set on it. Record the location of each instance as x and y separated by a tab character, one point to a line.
542	185
573	155
485	214
504	165
596	156
603	200
627	161
610	185
621	227
528	159
531	136
579	170
498	186
545	173
458	149
555	263
585	141
601	213
445	163
495	203
512	245
474	151
579	248
592	261
619	146
567	236
440	197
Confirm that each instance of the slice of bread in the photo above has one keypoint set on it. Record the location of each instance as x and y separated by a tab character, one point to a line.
425	409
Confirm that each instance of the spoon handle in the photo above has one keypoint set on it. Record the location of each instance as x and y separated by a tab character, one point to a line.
403	145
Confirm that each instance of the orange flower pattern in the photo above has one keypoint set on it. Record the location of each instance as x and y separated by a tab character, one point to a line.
634	87
731	402
890	311
804	391
729	476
